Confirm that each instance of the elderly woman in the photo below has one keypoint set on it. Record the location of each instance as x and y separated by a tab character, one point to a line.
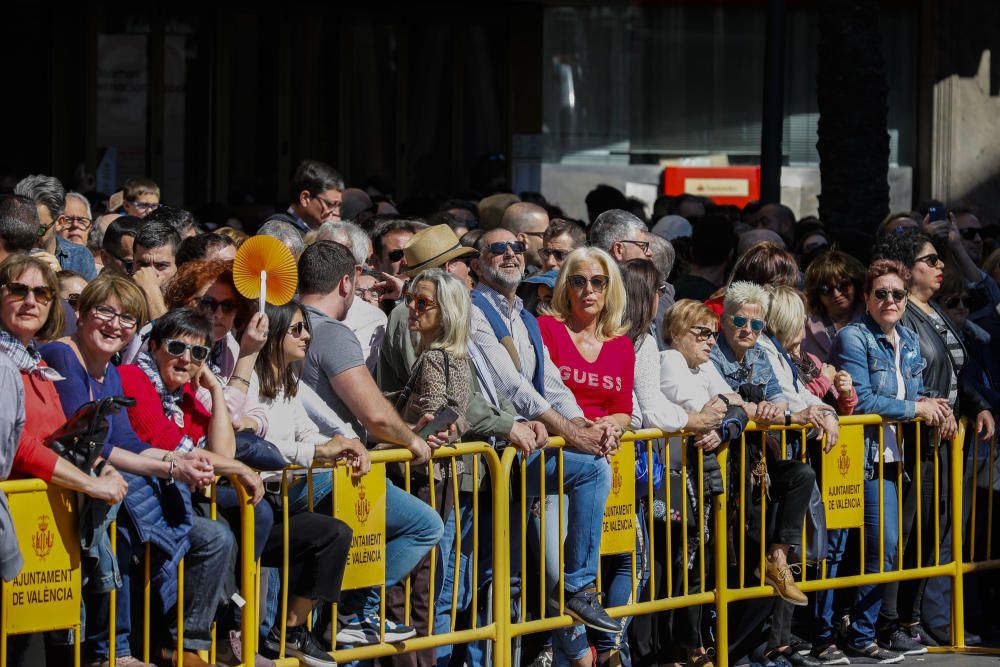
111	309
883	357
944	376
833	291
690	380
742	361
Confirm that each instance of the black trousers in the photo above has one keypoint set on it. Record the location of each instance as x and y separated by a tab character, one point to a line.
318	546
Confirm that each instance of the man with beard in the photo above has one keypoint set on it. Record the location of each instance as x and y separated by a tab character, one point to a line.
524	373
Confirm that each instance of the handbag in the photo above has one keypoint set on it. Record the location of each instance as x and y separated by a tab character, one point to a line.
81	439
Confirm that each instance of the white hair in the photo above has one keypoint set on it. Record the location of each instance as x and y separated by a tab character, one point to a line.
742	293
83	200
613	226
348	235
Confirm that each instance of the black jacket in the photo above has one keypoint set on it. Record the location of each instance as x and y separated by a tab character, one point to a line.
937	373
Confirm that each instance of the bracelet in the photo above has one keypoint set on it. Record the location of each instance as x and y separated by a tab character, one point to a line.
170	473
241	379
788	417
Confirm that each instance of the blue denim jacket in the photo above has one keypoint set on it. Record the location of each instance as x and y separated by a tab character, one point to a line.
863	350
755	369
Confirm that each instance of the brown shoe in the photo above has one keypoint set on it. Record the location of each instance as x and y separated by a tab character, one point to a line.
784	584
169	658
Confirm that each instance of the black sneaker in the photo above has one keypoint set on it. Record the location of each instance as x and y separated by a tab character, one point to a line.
830	655
919	634
793	658
900	641
585	607
800	645
873	654
300	643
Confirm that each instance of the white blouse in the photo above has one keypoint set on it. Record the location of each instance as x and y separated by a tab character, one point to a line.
691	388
655	409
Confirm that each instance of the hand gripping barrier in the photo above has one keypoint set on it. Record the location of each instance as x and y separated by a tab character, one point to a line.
714	553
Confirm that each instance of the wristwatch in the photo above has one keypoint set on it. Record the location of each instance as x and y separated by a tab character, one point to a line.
788	417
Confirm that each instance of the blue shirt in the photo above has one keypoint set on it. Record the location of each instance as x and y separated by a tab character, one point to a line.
75	257
755	368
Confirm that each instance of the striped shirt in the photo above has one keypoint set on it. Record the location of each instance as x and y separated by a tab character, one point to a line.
513	385
954	351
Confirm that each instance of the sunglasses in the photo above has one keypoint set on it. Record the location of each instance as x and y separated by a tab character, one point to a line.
177	348
841	287
560	255
127	264
500	247
395	255
72	298
19	292
107	314
883	294
701	334
421	304
956	301
932	259
741	322
210	305
578	282
295	331
970	233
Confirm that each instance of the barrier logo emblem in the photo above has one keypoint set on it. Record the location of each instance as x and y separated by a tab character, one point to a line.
362	508
844	462
616	477
43	539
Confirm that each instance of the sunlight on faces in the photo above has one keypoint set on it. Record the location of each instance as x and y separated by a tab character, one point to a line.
743	338
25	318
295	346
223	295
693	344
886	312
926	277
428	322
586	301
176	371
161	260
107	336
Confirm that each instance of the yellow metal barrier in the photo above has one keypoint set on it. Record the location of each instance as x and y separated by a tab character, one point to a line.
509	472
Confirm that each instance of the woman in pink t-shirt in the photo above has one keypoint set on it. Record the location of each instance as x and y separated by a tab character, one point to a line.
586	339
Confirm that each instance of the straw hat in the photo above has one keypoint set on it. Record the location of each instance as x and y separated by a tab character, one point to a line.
433	247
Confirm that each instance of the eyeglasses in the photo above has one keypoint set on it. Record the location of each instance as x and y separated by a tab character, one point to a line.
932	259
642	245
560	255
970	233
883	294
177	348
327	204
295	331
19	292
395	255
421	304
368	292
43	229
79	221
210	305
841	287
107	314
741	322
956	301
701	334
500	247
538	234
579	282
127	264
144	205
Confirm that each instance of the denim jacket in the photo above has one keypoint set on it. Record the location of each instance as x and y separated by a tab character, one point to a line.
755	369
863	350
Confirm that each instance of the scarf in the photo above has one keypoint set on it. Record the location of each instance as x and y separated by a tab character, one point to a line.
27	359
808	371
170	400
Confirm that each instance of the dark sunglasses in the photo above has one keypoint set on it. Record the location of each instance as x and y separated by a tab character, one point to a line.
841	287
578	282
970	233
127	264
500	247
296	329
19	292
176	348
701	334
560	255
72	298
932	259
421	304
395	255
956	301
740	322
210	305
883	294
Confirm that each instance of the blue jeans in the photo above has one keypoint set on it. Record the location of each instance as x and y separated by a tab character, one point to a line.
586	483
867	599
448	579
412	529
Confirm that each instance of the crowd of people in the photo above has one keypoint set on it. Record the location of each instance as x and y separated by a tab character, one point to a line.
496	319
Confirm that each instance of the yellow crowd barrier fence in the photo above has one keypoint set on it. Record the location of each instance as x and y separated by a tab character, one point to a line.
715	553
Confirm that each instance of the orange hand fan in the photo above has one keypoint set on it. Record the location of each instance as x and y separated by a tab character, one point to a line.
265	269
